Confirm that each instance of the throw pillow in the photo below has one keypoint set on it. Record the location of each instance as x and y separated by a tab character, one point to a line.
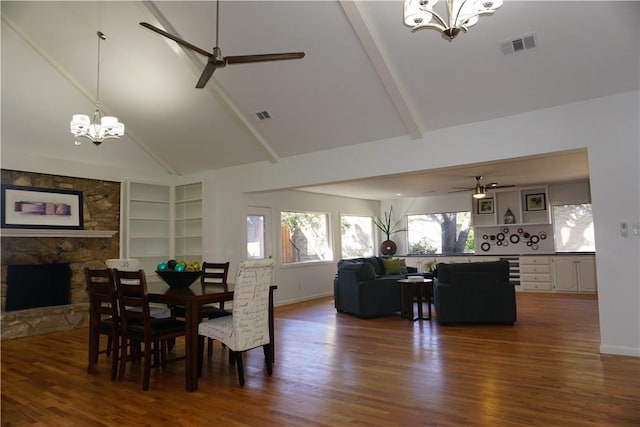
403	267
391	266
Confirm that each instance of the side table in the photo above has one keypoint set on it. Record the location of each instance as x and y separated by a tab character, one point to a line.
422	291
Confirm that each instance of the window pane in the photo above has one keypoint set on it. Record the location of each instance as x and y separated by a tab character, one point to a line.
255	237
573	228
305	237
441	233
357	236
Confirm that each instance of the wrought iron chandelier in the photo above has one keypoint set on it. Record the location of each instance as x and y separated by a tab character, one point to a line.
461	15
103	127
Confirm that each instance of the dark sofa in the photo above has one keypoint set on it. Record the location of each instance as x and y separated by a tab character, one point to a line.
361	287
476	292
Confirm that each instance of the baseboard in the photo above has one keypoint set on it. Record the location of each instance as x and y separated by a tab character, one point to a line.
305	298
620	350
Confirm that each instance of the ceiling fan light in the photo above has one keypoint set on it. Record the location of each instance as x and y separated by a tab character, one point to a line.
479	195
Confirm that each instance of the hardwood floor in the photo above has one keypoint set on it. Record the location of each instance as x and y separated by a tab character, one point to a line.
337	370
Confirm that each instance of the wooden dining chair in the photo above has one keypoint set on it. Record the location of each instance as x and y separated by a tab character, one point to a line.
137	325
103	317
214	274
248	325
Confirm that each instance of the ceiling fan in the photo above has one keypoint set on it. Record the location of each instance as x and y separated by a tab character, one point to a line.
215	59
479	190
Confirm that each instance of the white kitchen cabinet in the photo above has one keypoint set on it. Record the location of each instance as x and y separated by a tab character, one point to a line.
535	273
574	273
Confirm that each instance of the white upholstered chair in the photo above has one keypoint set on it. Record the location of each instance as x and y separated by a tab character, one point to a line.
248	325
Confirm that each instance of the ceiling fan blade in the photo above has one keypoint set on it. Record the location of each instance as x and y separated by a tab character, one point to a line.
206	74
176	39
242	59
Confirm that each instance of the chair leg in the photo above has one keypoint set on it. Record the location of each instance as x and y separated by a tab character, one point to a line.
94	342
126	344
148	346
200	354
232	357
109	345
209	347
267	359
115	356
240	367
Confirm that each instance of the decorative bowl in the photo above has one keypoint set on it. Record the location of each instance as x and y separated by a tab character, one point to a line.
179	279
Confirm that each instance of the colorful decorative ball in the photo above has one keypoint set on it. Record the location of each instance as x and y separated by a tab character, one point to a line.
171	263
195	265
162	266
179	267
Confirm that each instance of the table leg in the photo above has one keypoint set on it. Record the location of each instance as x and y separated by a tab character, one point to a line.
191	346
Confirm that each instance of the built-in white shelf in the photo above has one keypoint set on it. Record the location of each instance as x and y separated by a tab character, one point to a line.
42	232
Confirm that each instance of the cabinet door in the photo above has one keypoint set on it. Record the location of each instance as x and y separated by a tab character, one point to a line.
587	281
564	274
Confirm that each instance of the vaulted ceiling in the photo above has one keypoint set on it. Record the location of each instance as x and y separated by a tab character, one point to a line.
365	77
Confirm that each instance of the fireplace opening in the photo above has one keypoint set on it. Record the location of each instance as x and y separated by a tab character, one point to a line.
39	285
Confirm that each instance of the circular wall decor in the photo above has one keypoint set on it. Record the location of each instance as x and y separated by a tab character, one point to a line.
535	239
514	238
534	247
505	230
520	230
543	235
500	237
485	237
485	246
492	237
526	235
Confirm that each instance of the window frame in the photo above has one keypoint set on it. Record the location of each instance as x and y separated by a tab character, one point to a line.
329	241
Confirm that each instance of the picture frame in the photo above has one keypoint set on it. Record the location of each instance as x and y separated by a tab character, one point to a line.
485	206
535	202
46	208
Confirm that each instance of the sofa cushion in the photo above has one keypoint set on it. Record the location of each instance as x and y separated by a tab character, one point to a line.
403	267
376	263
392	266
444	271
364	270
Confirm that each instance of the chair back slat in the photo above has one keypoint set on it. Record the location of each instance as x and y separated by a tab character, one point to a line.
132	296
215	273
102	293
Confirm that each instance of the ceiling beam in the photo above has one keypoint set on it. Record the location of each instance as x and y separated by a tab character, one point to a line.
374	49
196	65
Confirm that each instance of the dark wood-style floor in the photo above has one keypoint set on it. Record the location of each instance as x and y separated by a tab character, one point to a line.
337	370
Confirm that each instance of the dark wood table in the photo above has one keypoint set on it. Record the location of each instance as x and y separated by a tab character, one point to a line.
192	298
422	290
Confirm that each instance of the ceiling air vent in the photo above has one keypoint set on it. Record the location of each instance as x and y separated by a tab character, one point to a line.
263	115
519	44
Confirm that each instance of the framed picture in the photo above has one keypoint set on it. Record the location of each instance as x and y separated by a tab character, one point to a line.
31	207
536	202
485	206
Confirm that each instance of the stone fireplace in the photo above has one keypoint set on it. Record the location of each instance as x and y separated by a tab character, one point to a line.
78	248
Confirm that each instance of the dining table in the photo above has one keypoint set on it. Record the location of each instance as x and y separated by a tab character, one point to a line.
192	298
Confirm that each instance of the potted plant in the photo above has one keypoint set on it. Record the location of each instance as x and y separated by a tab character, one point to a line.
388	227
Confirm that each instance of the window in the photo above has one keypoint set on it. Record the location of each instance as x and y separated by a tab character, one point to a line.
255	237
304	237
573	228
357	236
440	233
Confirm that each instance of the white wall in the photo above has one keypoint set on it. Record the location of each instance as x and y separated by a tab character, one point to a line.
608	127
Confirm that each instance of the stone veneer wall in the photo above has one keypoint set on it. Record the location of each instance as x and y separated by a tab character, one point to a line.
101	211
